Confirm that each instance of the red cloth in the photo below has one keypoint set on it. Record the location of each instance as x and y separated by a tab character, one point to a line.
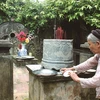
59	33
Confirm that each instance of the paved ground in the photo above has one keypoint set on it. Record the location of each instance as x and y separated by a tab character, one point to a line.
21	82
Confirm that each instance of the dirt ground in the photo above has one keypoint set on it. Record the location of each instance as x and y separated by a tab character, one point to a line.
21	83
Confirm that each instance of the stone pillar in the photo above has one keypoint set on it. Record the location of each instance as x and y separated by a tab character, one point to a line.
6	71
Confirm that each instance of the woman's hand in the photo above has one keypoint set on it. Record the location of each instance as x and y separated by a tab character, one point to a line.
63	70
74	76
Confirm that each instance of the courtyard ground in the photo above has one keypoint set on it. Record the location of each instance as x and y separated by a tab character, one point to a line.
21	83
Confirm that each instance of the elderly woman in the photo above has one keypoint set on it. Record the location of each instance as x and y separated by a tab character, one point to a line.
93	40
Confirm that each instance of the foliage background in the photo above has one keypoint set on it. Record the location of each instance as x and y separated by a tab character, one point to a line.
75	16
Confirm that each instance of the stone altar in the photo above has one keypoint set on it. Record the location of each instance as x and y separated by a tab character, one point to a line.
57	87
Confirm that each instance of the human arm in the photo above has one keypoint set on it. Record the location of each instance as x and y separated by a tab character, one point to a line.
74	76
88	64
91	62
92	82
86	82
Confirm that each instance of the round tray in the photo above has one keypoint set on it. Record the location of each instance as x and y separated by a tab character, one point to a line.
45	72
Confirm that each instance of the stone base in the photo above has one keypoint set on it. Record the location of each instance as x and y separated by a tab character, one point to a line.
57	87
19	62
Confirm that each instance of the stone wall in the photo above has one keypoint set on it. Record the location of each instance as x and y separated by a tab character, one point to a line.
40	89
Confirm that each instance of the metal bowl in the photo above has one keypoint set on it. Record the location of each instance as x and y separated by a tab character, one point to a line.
45	72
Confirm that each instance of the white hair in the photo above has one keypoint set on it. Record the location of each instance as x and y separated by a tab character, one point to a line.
92	38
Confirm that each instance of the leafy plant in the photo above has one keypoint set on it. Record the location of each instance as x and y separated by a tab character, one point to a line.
40	16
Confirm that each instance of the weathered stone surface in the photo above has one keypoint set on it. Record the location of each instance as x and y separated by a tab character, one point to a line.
6	78
57	53
5	45
58	87
22	62
61	90
6	71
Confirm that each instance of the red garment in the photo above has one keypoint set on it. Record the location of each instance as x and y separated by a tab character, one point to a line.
59	33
